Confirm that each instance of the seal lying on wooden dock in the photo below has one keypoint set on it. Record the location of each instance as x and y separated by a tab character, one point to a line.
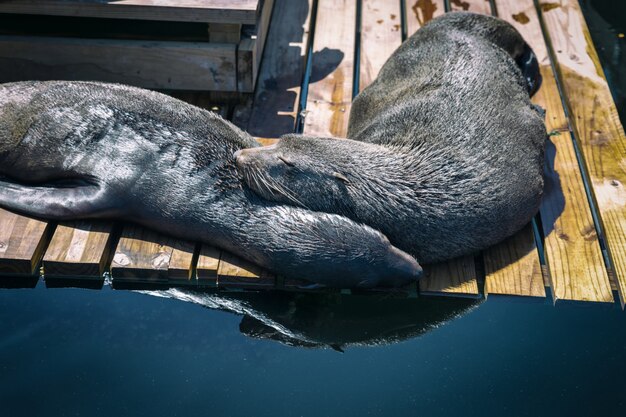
448	151
72	150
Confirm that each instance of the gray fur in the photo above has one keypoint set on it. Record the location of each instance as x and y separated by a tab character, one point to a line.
447	151
89	150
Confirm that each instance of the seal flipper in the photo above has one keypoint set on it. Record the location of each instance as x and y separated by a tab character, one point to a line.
55	203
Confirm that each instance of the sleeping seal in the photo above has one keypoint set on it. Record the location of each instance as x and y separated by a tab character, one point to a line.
73	150
447	151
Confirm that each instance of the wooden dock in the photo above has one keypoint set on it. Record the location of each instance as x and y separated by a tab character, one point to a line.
575	250
207	45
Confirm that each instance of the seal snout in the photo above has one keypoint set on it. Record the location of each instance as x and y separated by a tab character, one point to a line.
404	268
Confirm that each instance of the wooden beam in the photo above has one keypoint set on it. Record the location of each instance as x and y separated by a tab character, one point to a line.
420	12
219	11
275	106
476	6
208	265
330	91
78	249
381	35
574	258
455	278
512	267
22	241
235	272
146	256
148	64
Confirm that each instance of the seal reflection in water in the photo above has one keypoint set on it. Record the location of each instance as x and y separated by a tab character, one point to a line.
72	150
330	320
447	152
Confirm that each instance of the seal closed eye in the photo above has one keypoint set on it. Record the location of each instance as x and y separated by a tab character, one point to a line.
446	151
72	150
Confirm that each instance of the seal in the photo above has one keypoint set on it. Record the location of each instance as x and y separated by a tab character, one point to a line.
71	150
447	151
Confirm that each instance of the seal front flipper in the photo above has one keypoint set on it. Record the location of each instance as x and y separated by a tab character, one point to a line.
55	202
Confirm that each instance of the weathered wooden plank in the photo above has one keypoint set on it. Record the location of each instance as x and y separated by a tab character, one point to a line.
573	254
453	278
236	272
381	34
250	51
208	265
330	91
149	64
420	12
476	6
277	95
145	256
512	267
22	241
457	276
224	32
78	249
180	267
246	66
220	11
574	257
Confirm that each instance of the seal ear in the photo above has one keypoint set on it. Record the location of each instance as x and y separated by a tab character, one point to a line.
341	177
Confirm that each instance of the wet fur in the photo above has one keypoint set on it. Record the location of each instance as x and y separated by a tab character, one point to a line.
91	150
446	151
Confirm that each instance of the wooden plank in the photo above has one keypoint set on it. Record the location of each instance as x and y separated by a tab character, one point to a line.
238	273
453	278
381	35
277	95
246	66
149	64
573	254
145	256
22	241
457	276
420	12
208	265
220	11
575	261
78	249
513	268
224	32
180	267
476	6
330	93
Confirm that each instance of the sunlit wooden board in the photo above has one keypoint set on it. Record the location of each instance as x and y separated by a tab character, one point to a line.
576	266
453	278
146	256
78	249
22	241
235	272
330	88
420	12
476	6
381	35
208	265
221	11
512	267
274	108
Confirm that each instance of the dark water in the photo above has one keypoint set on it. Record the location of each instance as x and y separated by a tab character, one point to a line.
69	352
